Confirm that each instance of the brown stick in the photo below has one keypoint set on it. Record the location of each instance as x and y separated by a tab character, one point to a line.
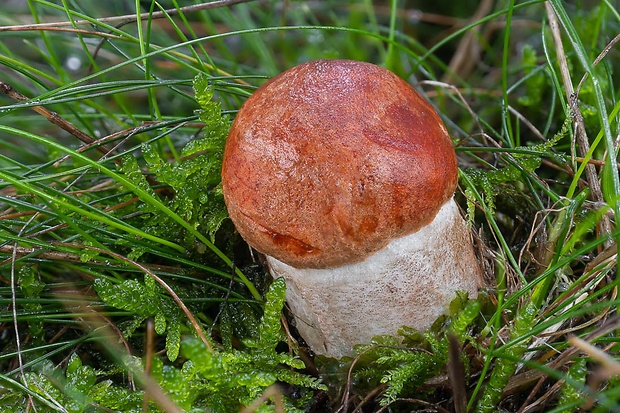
581	136
54	118
128	17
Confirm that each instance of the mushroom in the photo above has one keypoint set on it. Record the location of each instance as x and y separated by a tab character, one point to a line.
343	176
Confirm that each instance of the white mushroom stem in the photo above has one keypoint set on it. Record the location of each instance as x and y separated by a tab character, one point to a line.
410	282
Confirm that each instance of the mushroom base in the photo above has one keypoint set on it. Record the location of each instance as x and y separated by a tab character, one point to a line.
410	283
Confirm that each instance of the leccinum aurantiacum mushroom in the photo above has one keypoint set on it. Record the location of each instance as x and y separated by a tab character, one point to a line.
343	176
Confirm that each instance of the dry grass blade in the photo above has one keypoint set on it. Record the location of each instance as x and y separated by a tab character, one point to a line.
456	372
610	367
148	362
161	282
458	93
97	322
468	50
598	59
581	136
55	119
274	391
610	325
129	17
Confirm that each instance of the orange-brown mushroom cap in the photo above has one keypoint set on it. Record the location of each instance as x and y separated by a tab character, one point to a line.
330	160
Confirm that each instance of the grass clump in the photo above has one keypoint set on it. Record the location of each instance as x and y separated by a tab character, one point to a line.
125	288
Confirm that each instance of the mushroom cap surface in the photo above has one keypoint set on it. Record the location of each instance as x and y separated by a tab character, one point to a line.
330	160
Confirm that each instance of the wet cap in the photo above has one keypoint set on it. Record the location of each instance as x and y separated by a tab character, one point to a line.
330	160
